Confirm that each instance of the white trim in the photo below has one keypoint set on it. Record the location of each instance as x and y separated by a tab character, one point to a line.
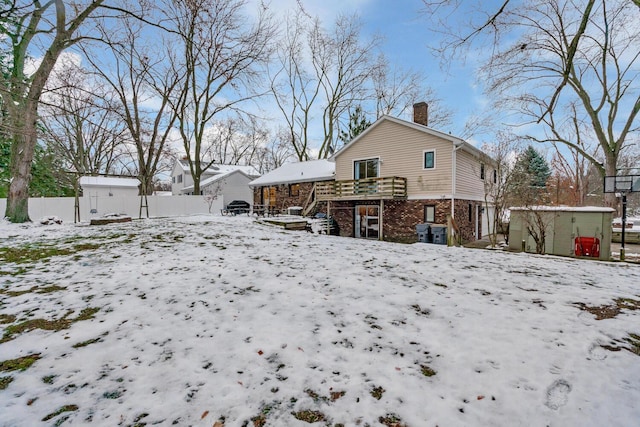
294	172
424	152
424	212
429	197
353	166
446	197
477	209
563	209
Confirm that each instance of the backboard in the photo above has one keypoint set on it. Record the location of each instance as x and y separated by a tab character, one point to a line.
622	184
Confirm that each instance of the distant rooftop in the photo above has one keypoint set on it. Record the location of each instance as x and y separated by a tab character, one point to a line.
109	181
215	178
217	168
310	171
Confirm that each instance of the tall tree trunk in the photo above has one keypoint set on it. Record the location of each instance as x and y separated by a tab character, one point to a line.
610	169
23	92
23	123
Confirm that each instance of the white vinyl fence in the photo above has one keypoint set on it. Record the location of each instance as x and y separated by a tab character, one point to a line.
97	206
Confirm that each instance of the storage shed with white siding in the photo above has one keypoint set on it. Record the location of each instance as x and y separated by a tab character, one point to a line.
109	186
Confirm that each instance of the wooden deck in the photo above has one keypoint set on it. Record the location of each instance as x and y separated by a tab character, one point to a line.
288	223
387	188
109	220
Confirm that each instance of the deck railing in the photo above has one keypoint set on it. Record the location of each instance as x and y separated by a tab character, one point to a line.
363	189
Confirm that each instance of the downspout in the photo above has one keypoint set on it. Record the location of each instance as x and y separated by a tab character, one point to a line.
454	173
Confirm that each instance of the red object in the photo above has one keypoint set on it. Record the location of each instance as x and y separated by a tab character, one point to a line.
587	246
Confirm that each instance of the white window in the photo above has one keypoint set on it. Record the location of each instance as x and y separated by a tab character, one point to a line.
179	178
363	169
429	213
429	159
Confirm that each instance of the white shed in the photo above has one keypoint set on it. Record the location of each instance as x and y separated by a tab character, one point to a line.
103	186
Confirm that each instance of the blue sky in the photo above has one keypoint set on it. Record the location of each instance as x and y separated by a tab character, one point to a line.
406	38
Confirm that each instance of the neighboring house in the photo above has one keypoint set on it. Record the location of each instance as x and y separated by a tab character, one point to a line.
233	185
101	186
397	174
292	185
181	178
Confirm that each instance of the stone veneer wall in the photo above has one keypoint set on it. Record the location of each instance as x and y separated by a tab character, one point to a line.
468	228
401	217
283	199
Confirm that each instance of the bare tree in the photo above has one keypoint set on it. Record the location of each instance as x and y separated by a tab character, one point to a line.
81	122
342	63
235	141
221	56
294	88
29	27
560	53
144	84
570	179
500	158
319	76
276	152
396	90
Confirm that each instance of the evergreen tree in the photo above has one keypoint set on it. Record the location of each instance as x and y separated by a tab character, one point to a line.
528	181
537	167
358	123
46	181
528	188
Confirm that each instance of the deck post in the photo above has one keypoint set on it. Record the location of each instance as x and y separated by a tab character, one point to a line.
328	217
380	232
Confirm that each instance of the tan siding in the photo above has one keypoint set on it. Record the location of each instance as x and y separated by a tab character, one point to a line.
468	182
401	150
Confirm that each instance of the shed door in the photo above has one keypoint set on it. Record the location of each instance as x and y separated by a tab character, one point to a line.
563	234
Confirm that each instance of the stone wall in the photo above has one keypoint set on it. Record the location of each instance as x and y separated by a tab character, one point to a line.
284	199
468	227
401	217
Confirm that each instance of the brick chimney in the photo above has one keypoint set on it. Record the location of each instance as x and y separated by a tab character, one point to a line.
421	113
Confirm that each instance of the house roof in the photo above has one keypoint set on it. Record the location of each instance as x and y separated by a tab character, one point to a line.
108	181
218	168
310	171
215	178
563	209
459	142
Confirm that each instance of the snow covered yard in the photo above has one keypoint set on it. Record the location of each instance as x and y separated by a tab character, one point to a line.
217	321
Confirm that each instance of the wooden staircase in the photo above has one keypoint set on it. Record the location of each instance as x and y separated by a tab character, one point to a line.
311	202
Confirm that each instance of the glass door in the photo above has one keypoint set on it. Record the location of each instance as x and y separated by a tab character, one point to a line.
367	222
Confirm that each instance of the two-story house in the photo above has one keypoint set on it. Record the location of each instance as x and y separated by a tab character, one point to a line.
397	174
228	181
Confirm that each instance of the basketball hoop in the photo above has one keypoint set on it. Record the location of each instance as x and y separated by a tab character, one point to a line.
622	185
